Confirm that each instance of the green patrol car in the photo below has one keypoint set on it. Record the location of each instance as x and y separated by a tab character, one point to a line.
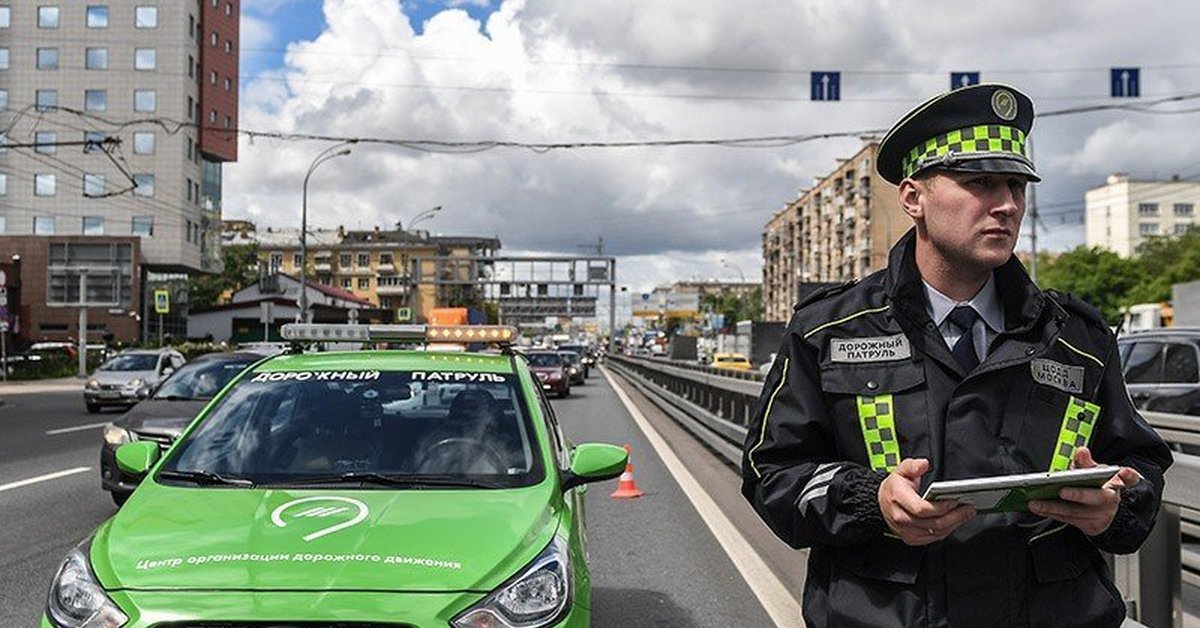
355	489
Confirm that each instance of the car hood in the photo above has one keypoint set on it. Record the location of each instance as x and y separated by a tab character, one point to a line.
179	538
120	377
546	369
161	416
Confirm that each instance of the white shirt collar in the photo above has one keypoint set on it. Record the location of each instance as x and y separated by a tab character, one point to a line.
985	302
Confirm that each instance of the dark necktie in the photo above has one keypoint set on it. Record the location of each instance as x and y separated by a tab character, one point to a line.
964	317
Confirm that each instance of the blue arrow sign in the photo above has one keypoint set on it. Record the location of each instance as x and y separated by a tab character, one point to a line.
1126	82
826	86
963	79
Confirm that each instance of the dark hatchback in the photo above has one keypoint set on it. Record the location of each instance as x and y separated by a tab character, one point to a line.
551	370
1162	369
162	417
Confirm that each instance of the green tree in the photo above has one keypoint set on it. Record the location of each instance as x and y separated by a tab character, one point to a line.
735	308
1164	261
1098	276
241	270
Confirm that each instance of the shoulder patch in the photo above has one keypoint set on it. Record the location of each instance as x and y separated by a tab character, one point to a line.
1079	307
822	293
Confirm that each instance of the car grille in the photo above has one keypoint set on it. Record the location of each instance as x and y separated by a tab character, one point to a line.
163	440
111	386
275	624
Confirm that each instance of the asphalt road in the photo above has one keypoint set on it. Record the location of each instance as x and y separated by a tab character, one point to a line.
654	561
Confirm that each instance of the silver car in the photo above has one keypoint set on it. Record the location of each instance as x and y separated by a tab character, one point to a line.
129	377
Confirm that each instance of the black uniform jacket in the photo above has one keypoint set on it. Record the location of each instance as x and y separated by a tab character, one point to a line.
807	471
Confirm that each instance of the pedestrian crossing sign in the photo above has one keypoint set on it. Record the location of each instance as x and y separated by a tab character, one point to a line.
162	302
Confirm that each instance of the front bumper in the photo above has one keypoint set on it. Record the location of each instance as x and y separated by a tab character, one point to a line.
162	609
110	397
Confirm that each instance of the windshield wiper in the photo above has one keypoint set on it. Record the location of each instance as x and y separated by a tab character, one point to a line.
384	479
205	477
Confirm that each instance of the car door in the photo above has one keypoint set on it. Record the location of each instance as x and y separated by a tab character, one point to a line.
1179	391
1143	371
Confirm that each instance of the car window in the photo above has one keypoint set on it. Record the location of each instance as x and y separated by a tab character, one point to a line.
1180	364
200	380
131	362
545	359
1143	365
275	428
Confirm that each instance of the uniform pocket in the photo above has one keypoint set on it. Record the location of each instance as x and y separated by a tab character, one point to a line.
872	380
876	585
879	411
1069	585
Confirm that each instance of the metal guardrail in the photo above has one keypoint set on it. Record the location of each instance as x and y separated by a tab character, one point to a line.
715	406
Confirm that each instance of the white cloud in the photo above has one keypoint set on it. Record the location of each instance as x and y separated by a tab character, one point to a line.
546	70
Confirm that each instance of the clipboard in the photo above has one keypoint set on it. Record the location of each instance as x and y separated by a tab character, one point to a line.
1011	493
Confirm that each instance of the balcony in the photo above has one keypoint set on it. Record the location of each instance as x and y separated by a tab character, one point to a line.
391	290
387	269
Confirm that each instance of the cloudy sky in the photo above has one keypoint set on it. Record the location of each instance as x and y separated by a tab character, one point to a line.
554	71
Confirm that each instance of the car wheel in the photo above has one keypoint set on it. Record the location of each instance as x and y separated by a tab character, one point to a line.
119	497
92	408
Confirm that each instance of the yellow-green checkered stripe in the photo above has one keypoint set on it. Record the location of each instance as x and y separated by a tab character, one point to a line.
1076	431
878	424
988	138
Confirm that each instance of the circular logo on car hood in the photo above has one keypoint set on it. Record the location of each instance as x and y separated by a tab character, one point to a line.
331	507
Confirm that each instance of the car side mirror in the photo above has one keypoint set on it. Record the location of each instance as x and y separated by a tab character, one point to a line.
137	457
166	372
594	462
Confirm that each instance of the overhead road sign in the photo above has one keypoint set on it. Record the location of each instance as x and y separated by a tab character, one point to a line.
1126	82
963	79
826	86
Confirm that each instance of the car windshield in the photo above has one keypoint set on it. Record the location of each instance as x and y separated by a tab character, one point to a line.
300	428
580	349
545	359
200	380
569	357
131	362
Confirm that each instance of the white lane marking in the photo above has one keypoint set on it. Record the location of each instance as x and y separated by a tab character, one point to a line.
77	428
43	478
782	607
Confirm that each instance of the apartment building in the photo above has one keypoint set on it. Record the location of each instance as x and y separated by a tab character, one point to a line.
118	118
1123	213
840	229
407	272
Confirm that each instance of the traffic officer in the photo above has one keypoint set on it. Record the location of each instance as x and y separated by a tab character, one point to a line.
951	364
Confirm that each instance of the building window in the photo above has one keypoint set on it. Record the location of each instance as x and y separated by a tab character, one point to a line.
143	184
47	17
97	17
364	283
3	58
95	100
145	17
191	67
1148	229
1185	209
43	225
296	261
364	259
5	17
3	100
187	189
228	122
228	84
189	148
1147	209
1182	228
191	25
143	143
346	282
228	47
145	58
96	59
385	259
93	185
43	185
212	77
93	225
191	109
143	226
47	58
228	8
3	184
213	39
47	99
144	100
212	116
344	260
3	225
45	141
94	139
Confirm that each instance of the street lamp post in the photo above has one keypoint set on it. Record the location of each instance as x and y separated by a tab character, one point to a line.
425	215
325	156
725	262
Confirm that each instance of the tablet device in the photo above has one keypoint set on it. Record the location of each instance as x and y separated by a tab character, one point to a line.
1010	493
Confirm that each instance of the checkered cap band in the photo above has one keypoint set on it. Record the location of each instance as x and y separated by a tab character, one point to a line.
990	139
878	425
1076	431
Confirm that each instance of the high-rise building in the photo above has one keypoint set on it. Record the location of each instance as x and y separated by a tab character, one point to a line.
840	229
116	120
1122	213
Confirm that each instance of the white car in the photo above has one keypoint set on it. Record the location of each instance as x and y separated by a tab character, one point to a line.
129	377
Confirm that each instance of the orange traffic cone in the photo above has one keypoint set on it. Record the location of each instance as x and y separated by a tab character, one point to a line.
626	487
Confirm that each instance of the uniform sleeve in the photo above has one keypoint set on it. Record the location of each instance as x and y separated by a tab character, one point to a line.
1123	437
790	468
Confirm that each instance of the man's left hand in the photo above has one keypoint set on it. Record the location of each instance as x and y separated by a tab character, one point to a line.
1089	509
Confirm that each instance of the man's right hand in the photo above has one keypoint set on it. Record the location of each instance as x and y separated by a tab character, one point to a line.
914	520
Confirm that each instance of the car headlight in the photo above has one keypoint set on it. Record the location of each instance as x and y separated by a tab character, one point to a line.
76	599
116	436
538	596
93	384
134	383
574	370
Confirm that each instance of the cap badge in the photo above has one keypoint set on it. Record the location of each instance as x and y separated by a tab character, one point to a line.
1004	104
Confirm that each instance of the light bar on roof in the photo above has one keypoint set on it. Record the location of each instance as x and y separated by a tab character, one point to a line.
340	332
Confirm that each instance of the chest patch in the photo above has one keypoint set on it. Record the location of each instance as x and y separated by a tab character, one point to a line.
1057	375
880	349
